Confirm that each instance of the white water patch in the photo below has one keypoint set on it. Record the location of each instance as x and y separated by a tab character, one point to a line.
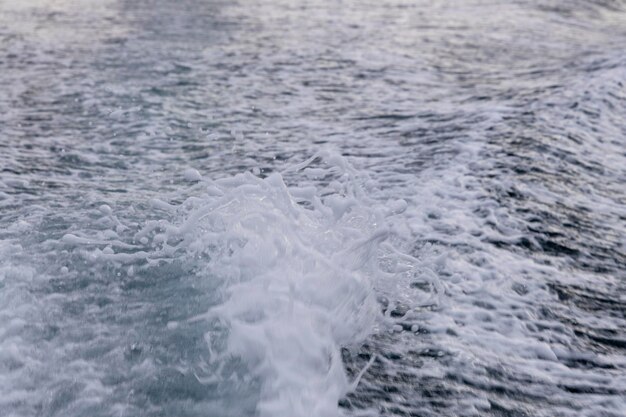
299	265
495	309
296	268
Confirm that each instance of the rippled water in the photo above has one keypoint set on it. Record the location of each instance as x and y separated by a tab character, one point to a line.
323	208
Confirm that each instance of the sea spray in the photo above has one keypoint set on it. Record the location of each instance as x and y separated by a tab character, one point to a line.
294	270
298	266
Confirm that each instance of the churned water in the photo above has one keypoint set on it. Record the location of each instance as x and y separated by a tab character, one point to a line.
282	208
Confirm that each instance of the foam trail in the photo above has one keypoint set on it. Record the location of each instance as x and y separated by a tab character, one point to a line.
297	267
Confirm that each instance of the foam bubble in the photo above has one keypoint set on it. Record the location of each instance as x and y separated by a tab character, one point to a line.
191	175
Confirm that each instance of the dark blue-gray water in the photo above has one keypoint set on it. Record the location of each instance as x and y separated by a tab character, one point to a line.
312	209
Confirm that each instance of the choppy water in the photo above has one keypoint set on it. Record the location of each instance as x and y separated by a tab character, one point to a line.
322	208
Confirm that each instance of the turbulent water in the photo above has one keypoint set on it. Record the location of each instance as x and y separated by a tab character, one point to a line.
312	209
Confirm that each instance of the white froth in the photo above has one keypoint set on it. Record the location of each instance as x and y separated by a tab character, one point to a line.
298	283
191	174
296	267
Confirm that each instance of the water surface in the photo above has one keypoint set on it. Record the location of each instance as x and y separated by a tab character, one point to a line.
279	208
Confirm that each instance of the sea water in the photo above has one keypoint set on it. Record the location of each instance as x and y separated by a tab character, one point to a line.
312	209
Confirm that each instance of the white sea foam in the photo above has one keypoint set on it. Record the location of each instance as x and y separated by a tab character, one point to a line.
296	268
121	295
